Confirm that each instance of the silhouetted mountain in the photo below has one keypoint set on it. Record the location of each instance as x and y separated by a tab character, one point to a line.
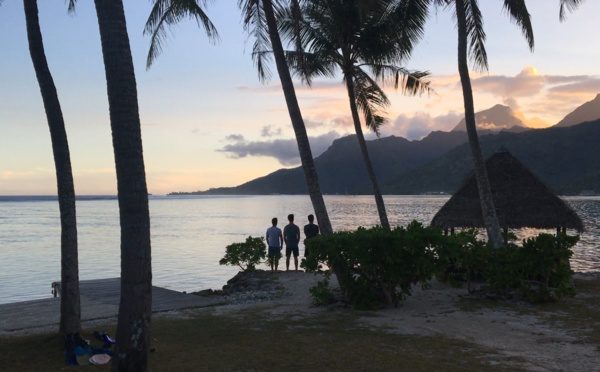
495	119
587	112
566	159
341	168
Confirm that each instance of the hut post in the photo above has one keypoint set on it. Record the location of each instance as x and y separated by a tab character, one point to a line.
506	236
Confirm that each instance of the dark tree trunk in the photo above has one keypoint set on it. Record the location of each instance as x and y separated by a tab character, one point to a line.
365	153
308	164
70	306
135	308
485	194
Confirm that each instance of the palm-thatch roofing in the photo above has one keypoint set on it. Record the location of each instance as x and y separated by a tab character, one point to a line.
520	198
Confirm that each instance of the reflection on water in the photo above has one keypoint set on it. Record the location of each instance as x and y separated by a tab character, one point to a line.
189	235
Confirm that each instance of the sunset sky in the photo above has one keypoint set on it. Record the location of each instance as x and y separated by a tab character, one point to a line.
207	121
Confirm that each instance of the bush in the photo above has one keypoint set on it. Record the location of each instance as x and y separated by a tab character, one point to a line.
539	269
321	293
245	255
381	265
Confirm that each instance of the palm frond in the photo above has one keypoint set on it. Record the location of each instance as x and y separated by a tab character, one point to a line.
255	24
308	66
517	10
410	17
166	13
371	100
476	35
568	5
409	82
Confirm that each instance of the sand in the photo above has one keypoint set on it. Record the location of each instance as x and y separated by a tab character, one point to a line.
512	329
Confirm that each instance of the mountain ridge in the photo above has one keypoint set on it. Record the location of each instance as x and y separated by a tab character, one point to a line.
440	161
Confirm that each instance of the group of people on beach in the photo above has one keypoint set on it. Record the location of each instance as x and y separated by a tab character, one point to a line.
291	237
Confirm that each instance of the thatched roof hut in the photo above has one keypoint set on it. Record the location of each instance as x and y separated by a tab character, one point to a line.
520	198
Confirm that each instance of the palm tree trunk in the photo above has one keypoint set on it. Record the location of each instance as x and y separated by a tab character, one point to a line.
70	306
135	308
485	194
365	153
308	164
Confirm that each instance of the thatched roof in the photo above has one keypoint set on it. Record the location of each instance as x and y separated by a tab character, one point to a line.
520	198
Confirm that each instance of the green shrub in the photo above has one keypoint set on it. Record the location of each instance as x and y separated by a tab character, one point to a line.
547	272
245	255
539	269
321	293
381	265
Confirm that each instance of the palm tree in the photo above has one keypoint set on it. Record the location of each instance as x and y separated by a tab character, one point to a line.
70	305
470	31
258	16
135	308
353	36
471	44
259	20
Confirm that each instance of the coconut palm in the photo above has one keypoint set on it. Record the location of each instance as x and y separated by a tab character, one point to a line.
355	36
471	41
70	305
471	45
135	307
259	19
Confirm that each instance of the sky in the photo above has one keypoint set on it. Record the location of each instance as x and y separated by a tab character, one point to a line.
207	120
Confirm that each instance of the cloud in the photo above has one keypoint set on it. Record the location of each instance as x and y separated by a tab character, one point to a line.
235	137
420	124
268	131
526	83
284	150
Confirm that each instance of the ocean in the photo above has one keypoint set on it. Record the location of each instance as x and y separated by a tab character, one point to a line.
190	233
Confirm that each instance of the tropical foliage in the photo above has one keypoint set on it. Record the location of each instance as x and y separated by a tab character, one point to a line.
539	269
384	265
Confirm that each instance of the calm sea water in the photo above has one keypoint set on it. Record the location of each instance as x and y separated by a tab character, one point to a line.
190	233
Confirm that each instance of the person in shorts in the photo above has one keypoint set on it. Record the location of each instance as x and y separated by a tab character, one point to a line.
310	231
275	243
291	236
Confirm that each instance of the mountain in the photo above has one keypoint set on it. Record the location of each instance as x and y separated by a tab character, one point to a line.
565	159
341	167
495	119
587	112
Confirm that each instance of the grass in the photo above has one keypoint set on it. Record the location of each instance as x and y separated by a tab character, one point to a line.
253	341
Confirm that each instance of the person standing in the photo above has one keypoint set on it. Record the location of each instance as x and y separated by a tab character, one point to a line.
291	235
275	243
310	231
